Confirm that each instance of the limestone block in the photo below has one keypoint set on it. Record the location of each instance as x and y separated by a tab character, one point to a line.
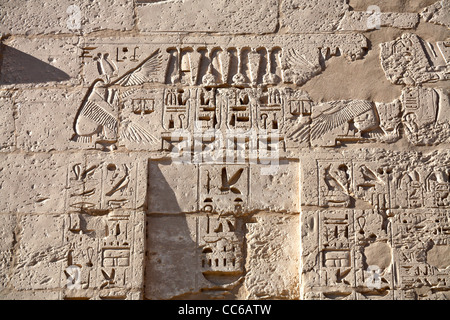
338	247
34	183
420	273
405	61
105	183
40	253
44	119
205	16
31	295
97	257
303	16
31	62
275	187
104	255
66	16
211	248
273	259
170	239
223	188
437	13
7	233
308	181
364	21
7	126
172	187
426	115
214	253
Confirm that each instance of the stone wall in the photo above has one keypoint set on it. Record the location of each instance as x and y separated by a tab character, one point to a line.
193	149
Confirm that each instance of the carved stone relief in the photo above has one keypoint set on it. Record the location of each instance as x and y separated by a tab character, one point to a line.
185	150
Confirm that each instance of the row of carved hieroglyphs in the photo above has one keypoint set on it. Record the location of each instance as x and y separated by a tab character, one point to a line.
149	117
263	61
364	254
131	111
385	186
101	187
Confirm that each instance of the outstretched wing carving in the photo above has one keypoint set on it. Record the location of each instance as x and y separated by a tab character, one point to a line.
134	132
91	109
97	114
143	73
295	61
332	118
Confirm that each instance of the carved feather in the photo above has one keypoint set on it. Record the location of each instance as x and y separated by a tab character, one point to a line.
298	62
94	112
235	178
143	73
136	133
332	118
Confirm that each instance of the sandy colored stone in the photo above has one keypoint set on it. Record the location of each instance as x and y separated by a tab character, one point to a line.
227	150
51	109
405	61
7	249
28	62
66	17
31	295
166	246
273	265
7	128
438	256
392	6
364	21
205	16
274	190
40	179
40	253
378	254
301	16
436	13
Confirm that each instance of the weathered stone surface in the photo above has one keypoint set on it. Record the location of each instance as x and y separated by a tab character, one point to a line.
65	16
410	60
39	181
206	16
7	126
223	265
363	21
273	260
192	149
39	254
7	234
305	16
437	13
31	62
42	119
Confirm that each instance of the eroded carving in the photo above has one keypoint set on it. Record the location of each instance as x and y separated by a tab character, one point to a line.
410	60
104	252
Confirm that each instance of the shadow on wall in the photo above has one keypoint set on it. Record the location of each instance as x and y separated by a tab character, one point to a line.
18	68
179	244
160	193
170	251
